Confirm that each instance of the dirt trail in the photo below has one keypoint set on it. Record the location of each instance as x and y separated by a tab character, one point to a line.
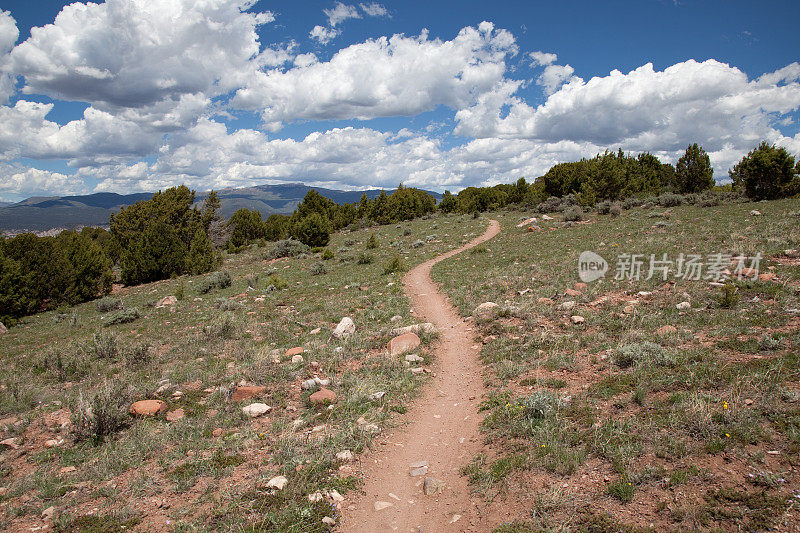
441	428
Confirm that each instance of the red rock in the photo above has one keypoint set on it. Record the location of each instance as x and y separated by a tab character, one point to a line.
579	286
294	351
217	432
544	300
246	392
572	292
767	276
148	408
323	397
667	330
403	343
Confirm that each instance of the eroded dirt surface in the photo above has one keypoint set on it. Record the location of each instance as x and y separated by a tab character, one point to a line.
441	429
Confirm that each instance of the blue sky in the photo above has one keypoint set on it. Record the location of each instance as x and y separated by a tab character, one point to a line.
137	95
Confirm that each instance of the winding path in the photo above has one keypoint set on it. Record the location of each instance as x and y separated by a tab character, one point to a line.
441	428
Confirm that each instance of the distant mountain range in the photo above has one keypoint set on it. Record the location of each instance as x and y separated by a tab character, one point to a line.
41	214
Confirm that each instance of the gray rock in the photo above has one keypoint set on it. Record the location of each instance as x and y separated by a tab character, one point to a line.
425	327
375	396
309	384
256	409
345	328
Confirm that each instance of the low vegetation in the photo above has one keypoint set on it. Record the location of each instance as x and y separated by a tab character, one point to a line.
643	415
67	387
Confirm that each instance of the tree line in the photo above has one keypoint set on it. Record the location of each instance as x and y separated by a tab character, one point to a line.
168	235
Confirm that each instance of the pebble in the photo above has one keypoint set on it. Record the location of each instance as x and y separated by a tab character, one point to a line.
345	455
433	486
380	506
277	483
256	409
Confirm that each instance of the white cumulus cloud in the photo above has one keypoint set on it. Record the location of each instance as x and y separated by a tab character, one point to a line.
322	34
139	53
710	102
374	9
341	12
542	58
9	33
383	77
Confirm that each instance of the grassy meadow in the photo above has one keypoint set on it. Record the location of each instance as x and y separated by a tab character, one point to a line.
75	460
600	418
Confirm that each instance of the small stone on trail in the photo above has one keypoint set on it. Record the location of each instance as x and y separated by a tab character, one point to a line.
433	486
380	506
256	409
421	471
148	408
297	359
277	483
417	371
748	401
576	319
328	520
456	518
414	358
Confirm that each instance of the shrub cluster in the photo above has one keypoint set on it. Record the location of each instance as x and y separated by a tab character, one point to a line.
42	273
217	280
